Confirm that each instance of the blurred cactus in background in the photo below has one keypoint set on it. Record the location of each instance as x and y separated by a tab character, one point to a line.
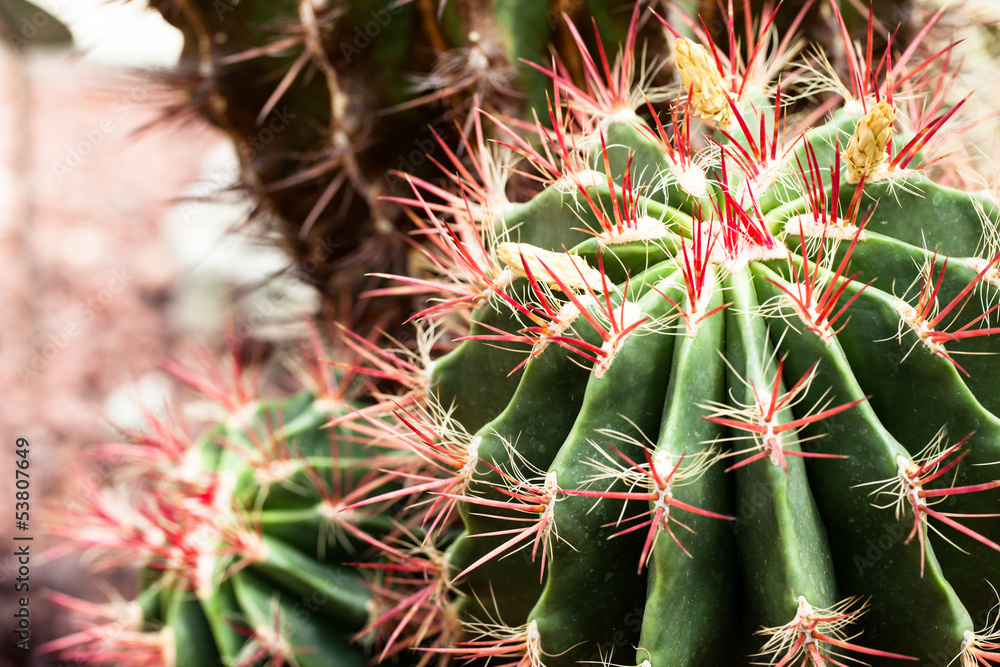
245	552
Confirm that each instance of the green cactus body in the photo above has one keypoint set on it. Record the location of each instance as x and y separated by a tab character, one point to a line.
761	453
248	552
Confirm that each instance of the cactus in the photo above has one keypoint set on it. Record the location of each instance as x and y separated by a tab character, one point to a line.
724	393
730	388
243	551
323	100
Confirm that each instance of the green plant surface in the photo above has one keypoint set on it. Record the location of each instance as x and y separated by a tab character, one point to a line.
753	415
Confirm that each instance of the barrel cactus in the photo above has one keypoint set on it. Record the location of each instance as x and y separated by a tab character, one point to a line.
245	557
729	393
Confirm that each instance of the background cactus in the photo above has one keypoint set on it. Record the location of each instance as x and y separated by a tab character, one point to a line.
244	555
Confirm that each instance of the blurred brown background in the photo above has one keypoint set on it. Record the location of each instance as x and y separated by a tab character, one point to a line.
86	274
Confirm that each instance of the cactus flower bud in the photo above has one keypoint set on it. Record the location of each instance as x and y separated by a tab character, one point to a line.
866	150
701	78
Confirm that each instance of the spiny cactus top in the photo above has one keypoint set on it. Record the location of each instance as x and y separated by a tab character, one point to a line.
730	392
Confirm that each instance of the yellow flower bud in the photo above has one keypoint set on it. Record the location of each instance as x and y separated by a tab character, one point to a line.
546	266
866	150
702	81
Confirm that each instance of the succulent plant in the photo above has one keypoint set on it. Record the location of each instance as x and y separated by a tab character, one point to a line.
323	100
724	391
244	555
730	388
